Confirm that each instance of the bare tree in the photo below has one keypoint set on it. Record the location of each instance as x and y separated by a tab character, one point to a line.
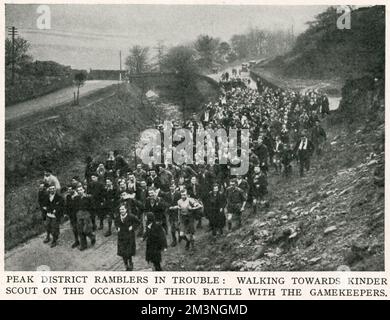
138	60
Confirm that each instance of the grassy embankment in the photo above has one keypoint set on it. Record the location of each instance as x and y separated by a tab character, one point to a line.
63	137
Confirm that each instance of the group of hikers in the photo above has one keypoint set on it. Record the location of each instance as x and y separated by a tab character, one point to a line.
152	201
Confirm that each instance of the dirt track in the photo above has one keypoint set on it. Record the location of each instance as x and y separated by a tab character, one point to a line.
34	254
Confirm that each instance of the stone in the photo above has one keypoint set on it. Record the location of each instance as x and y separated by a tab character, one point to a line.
296	209
204	260
343	267
259	252
271	214
314	260
372	162
314	207
345	191
330	229
294	235
270	254
264	233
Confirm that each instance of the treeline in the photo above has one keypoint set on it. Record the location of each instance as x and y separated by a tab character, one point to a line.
27	79
209	52
325	51
202	56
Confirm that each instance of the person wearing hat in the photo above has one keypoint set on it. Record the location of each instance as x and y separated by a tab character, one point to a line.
156	241
53	208
126	224
304	150
235	204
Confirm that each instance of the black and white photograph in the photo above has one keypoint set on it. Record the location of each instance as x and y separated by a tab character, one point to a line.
194	137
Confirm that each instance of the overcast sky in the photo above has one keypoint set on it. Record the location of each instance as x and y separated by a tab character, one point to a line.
90	36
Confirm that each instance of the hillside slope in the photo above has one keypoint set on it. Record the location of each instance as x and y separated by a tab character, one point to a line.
332	217
324	51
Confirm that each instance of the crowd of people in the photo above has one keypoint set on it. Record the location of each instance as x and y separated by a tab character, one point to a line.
160	201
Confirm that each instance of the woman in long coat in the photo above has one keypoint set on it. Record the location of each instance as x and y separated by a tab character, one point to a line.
155	241
214	208
126	224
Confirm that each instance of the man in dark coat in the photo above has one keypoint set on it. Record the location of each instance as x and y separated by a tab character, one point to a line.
261	151
235	203
304	150
126	224
96	190
269	141
156	205
318	137
258	187
287	156
155	241
153	181
111	202
82	206
70	211
214	208
194	191
53	207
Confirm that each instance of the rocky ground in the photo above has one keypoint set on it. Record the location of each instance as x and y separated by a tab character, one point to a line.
333	218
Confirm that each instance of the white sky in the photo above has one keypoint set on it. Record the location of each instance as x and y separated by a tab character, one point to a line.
90	36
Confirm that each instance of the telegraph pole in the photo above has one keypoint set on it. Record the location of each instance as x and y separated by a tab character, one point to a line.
120	65
12	31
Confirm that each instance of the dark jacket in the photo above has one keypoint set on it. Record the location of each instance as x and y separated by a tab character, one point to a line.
153	181
261	151
304	153
126	237
155	242
157	207
318	135
54	207
96	190
214	204
110	200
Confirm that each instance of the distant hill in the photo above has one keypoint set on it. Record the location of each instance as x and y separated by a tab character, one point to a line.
324	51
